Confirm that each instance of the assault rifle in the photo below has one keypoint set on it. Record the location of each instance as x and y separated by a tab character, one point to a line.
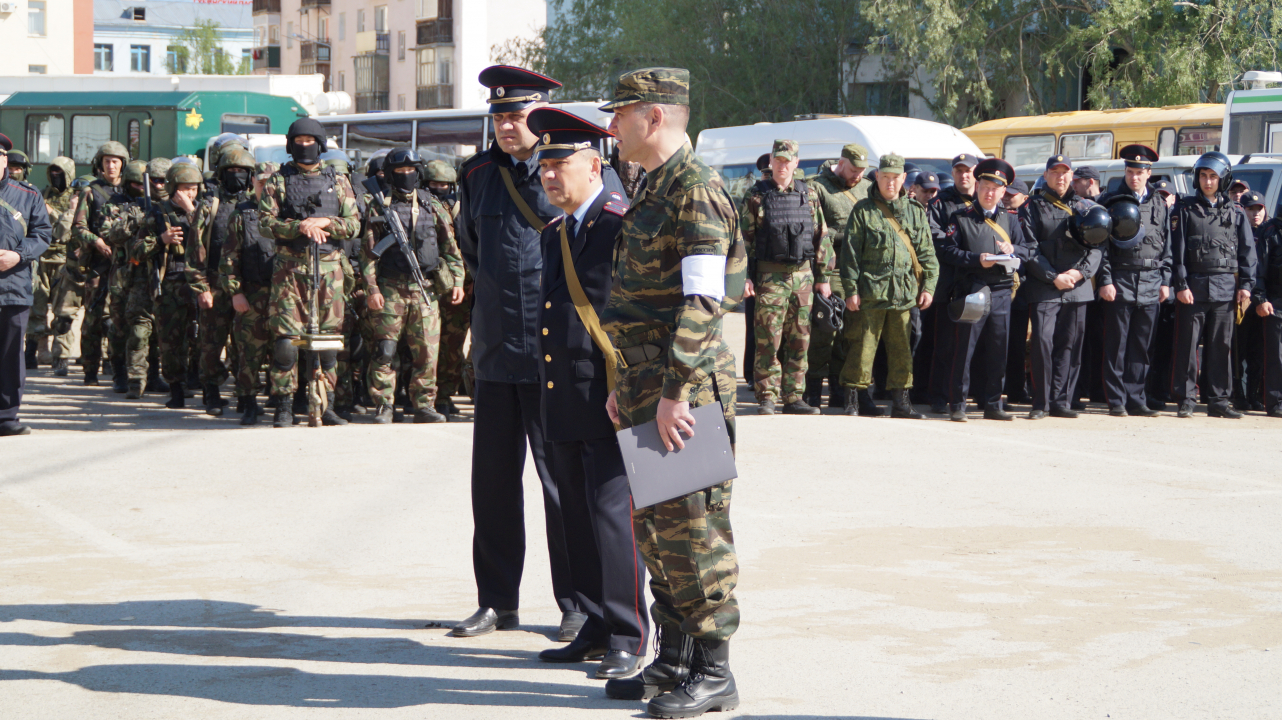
396	236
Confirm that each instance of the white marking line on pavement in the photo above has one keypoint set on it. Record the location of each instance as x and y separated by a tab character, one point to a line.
96	536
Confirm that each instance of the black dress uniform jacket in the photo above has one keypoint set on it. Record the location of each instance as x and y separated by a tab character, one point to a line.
1268	276
967	237
572	371
504	255
1138	273
1054	251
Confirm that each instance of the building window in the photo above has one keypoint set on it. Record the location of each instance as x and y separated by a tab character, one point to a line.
342	26
38	69
88	133
289	35
400	46
246	57
400	102
444	67
138	14
426	66
322	29
273	35
342	81
380	19
44	137
888	98
140	58
102	58
176	59
36	18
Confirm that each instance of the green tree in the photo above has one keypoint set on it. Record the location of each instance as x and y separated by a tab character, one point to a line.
198	50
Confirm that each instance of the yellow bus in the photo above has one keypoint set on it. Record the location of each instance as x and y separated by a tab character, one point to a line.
1099	134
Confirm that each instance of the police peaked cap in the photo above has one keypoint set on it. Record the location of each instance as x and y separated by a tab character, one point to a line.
305	126
513	89
562	134
1138	156
995	170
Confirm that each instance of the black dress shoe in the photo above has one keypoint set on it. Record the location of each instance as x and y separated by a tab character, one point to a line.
957	413
1076	405
1186	410
1066	413
576	652
1223	410
487	620
1036	414
996	412
1117	411
618	664
13	428
1141	411
571	624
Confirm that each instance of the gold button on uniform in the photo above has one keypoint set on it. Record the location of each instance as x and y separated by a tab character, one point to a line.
549	384
545	331
547	358
547	305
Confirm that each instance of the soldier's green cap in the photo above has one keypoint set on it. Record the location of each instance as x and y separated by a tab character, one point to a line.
891	163
786	149
666	86
857	154
440	171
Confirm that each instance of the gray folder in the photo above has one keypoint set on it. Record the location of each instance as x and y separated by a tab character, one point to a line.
657	475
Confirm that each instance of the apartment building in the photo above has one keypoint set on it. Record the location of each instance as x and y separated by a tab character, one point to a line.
46	37
144	37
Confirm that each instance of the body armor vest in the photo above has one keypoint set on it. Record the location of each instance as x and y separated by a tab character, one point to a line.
1210	237
1148	254
100	195
218	233
786	232
257	252
422	238
309	196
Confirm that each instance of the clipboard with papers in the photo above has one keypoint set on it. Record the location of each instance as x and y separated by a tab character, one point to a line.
657	475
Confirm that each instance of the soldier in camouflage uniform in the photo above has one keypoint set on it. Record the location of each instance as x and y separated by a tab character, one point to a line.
889	266
839	185
397	308
790	253
95	258
680	266
442	181
302	205
60	201
19	166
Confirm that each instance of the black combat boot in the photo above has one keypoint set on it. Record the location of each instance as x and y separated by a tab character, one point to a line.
902	406
799	407
671	665
250	403
867	408
119	376
135	390
836	393
214	403
446	406
155	383
91	375
709	686
814	393
429	415
330	416
30	354
61	368
383	415
177	398
284	412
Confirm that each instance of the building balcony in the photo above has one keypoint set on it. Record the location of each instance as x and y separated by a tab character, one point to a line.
372	102
266	7
267	58
373	42
314	51
313	68
435	32
315	4
431	97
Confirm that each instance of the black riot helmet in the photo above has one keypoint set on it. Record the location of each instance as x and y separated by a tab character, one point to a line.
1217	162
1092	227
399	158
1128	228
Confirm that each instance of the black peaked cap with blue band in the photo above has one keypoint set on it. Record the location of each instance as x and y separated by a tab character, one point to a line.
512	89
561	134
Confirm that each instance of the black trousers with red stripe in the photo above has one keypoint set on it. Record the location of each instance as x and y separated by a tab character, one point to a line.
1128	333
606	570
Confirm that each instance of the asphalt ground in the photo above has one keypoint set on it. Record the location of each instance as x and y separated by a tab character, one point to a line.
164	564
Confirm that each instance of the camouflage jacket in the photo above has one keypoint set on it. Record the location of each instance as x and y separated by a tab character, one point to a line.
751	215
82	235
147	244
62	209
449	273
683	210
877	261
197	250
345	226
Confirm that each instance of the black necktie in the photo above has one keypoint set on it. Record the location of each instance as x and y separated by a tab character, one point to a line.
570	227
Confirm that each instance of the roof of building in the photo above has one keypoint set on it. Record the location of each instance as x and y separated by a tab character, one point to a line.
98	99
171	14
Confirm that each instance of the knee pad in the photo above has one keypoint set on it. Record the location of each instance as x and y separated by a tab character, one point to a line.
384	351
328	359
284	354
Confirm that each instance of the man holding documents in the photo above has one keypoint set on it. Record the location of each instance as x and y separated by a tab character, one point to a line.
575	378
680	266
1058	290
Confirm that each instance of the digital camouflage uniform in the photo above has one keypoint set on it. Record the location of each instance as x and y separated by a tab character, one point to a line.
836	199
85	228
687	544
291	285
61	206
877	264
783	293
253	337
405	314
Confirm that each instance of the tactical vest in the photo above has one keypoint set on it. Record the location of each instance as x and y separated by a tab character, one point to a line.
309	196
977	236
1050	230
1210	236
100	195
422	238
786	233
218	233
1148	254
257	252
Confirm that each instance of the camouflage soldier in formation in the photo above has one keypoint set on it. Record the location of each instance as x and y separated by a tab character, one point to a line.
19	166
681	265
839	187
304	204
787	241
888	266
442	181
60	201
397	308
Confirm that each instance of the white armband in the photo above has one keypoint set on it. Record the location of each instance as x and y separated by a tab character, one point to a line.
704	275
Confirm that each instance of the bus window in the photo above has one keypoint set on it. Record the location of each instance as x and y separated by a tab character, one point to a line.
371	136
1166	142
246	124
135	137
450	139
44	137
88	133
1195	141
1086	146
1028	149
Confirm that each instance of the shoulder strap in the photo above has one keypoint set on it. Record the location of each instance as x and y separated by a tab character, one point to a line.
1001	232
22	220
587	314
899	230
521	205
1057	203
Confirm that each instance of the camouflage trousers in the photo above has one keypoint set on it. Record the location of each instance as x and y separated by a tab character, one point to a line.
67	300
215	330
782	319
253	341
827	352
118	329
455	322
687	544
404	315
91	325
174	314
43	295
871	327
141	321
290	306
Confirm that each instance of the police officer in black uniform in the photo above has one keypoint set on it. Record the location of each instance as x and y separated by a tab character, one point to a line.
1213	269
1267	306
502	212
584	456
958	196
973	234
1133	281
1248	337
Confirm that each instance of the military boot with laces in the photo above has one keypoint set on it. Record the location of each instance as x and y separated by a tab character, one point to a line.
671	664
708	686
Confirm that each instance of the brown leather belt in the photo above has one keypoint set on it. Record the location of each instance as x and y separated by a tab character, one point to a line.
638	354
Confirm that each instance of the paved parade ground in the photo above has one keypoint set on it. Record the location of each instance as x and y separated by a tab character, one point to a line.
179	566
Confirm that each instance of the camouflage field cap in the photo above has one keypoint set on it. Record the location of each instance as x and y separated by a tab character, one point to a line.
857	155
666	86
265	168
441	171
891	163
786	149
